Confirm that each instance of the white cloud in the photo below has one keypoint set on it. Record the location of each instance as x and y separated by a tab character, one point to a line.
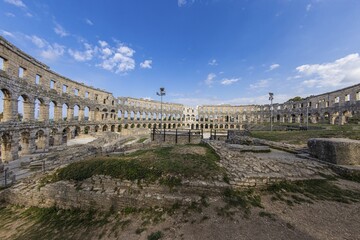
53	51
260	84
9	14
146	64
39	42
210	79
82	56
28	15
118	60
17	3
213	62
59	30
47	50
340	73
182	3
6	33
308	7
274	66
231	81
89	22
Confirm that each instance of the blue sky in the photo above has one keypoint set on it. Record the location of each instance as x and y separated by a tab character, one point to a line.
201	51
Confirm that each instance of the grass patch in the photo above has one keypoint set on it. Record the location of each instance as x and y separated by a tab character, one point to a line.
141	140
155	236
312	190
164	164
241	199
301	137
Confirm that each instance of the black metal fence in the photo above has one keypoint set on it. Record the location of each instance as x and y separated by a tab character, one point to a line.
177	136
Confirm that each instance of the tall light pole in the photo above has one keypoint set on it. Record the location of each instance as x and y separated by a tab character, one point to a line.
271	98
161	94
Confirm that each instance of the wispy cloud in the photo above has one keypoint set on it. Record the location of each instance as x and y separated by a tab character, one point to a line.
230	81
59	30
9	14
182	3
340	73
6	33
17	3
89	22
210	79
213	62
260	84
47	51
273	66
308	7
85	55
146	64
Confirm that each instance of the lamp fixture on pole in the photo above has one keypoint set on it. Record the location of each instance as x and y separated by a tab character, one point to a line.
271	98
161	93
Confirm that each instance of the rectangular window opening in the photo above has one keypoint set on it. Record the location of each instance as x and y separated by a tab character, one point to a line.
76	92
2	63
37	79
52	84
21	72
64	88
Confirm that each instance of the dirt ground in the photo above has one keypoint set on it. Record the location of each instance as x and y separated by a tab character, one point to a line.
276	220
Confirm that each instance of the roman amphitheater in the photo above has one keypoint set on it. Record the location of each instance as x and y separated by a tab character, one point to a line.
42	108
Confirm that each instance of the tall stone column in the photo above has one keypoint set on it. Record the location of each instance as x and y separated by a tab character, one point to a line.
57	113
10	109
28	111
44	112
81	114
70	114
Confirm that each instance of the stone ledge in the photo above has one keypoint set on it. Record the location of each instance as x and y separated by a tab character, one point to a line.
340	151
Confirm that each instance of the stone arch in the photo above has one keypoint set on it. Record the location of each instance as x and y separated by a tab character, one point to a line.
66	135
24	108
24	146
86	130
40	140
76	112
52	110
96	128
64	112
87	113
112	128
77	131
105	128
8	150
39	109
5	100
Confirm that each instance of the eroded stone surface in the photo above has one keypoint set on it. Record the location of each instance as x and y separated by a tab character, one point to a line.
336	150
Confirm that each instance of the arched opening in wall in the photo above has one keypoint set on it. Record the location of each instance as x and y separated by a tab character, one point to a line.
5	152
77	131
66	135
231	126
174	125
179	125
169	125
53	135
278	117
87	130
38	109
76	112
143	116
211	126
52	106
97	114
96	129
138	116
113	128
126	115
126	126
149	125
5	105
326	117
113	114
105	128
154	116
191	127
24	146
132	114
302	118
286	118
64	111
149	116
346	116
86	114
201	126
226	126
221	126
119	115
197	126
206	126
119	128
293	118
104	114
144	125
40	141
23	105
138	125
216	126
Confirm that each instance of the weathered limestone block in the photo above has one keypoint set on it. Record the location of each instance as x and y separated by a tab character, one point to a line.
336	150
